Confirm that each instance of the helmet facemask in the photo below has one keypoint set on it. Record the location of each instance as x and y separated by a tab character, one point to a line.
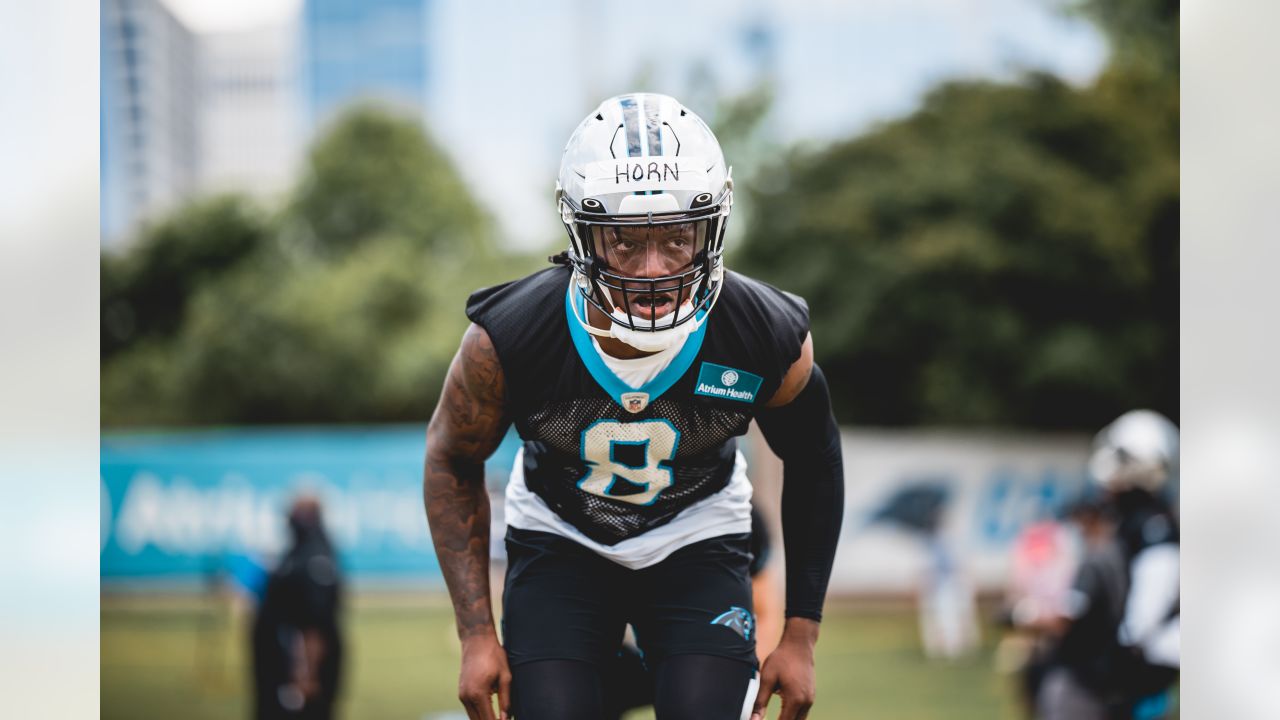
648	272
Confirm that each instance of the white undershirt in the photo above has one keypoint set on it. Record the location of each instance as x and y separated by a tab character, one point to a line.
727	512
635	372
1153	591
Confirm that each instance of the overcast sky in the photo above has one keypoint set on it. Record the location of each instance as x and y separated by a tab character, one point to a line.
510	80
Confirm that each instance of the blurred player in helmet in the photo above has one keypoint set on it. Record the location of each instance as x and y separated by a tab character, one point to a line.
629	370
1135	458
1118	647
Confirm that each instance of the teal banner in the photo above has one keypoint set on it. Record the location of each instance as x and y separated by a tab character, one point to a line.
191	507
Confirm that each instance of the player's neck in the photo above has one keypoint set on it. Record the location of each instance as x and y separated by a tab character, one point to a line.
612	346
621	350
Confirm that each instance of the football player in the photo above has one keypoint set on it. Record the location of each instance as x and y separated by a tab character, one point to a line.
1118	649
1135	459
629	370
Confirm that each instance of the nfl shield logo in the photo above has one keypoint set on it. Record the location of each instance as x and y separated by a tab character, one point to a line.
635	402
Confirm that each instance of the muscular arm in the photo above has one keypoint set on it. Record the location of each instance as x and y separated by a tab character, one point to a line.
798	425
467	426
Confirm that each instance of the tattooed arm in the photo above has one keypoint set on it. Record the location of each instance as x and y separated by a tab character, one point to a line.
467	426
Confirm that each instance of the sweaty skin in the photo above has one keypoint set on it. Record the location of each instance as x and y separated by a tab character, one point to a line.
467	427
468	424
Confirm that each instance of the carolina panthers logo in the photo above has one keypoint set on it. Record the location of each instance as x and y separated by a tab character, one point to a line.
738	620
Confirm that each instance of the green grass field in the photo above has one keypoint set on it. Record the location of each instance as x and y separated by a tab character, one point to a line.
185	658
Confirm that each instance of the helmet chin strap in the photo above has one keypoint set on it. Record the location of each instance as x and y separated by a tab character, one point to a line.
655	340
643	340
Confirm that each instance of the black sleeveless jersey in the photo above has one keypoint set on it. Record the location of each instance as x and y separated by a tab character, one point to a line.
614	461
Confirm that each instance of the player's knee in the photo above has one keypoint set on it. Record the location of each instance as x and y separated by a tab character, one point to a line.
691	712
701	687
558	709
556	690
709	707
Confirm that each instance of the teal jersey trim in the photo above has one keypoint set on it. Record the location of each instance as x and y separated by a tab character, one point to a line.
605	377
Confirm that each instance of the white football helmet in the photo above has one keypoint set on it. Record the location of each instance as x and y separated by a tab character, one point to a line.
1139	449
645	164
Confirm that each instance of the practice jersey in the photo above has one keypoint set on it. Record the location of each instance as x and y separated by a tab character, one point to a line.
616	462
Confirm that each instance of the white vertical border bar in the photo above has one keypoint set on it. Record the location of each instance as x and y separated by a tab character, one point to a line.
49	507
1230	383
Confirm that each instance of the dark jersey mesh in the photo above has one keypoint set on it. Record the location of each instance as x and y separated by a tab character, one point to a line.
555	403
554	463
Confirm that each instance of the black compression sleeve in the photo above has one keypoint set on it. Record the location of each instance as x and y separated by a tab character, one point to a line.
804	434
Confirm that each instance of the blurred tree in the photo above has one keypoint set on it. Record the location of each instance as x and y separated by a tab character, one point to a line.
1007	255
349	312
144	293
367	338
373	173
741	124
1143	33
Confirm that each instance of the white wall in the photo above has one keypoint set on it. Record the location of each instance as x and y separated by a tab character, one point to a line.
998	482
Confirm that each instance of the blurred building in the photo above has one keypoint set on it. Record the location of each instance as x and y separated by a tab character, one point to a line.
150	109
252	133
185	113
359	50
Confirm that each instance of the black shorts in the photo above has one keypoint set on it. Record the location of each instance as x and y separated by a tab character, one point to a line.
564	602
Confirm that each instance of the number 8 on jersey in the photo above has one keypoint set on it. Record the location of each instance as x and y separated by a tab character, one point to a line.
632	452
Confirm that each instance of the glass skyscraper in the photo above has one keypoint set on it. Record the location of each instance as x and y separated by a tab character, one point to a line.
358	50
149	110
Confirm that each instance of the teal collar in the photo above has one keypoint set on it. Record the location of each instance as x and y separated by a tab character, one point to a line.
610	382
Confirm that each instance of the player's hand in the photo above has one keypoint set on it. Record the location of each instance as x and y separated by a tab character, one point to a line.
788	671
484	672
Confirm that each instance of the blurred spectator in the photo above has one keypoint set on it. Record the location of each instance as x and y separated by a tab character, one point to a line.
947	609
1077	683
1046	555
1118	648
297	644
